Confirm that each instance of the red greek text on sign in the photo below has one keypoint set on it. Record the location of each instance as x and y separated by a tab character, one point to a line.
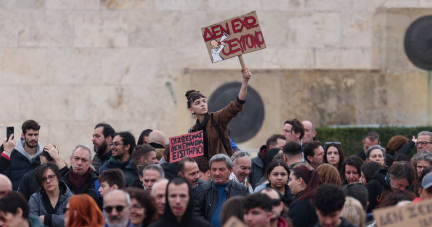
237	25
188	145
246	41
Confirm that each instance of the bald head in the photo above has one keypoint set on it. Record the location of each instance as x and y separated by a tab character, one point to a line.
157	137
158	193
5	185
309	130
274	195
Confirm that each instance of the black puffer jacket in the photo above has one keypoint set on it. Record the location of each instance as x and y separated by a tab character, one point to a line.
206	197
21	162
130	173
188	219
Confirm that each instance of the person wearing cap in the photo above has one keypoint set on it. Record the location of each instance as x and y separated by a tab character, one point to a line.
425	190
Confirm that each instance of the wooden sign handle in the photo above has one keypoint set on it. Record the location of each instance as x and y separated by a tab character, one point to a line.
242	62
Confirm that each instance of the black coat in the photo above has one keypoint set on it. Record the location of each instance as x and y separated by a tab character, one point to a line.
407	148
4	164
287	198
19	165
169	220
137	184
29	185
376	187
130	173
302	213
206	197
99	160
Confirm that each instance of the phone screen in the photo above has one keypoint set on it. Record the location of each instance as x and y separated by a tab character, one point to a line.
9	132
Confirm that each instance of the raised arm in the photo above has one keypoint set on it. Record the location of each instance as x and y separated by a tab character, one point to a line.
54	153
243	90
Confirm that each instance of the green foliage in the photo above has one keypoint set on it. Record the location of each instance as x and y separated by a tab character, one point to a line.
351	138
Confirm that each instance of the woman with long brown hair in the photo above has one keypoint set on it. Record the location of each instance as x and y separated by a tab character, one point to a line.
82	210
303	183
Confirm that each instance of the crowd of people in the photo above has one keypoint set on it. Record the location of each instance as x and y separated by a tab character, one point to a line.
294	180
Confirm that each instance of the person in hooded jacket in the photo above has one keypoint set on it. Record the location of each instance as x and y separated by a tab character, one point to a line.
400	176
25	156
28	184
179	208
50	201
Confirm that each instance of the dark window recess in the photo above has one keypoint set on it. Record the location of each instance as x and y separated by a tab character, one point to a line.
247	124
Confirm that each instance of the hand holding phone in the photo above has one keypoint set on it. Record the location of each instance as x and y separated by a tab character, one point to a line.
9	133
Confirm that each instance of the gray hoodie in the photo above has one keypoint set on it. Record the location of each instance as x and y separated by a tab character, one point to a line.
37	206
20	148
21	163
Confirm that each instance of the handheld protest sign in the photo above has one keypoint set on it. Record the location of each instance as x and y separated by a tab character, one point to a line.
413	215
234	37
187	145
233	221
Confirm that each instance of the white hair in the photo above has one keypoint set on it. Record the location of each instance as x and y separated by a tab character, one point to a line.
427	133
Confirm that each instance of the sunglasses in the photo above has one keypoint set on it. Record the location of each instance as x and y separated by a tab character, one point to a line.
109	209
276	202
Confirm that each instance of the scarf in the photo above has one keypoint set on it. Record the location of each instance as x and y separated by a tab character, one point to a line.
202	126
80	181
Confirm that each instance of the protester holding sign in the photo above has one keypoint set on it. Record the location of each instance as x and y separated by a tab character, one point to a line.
215	125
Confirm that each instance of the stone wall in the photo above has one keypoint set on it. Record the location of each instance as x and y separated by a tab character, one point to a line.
71	64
